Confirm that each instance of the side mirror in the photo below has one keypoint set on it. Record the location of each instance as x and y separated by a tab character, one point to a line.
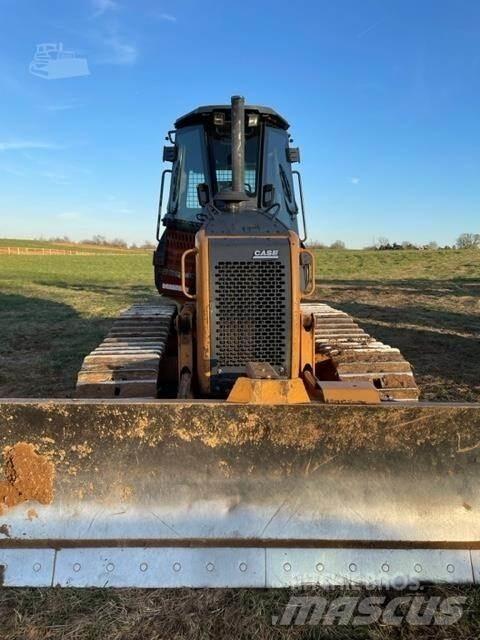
203	194
169	154
293	154
268	195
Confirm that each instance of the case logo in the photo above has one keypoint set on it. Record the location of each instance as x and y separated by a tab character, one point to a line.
265	254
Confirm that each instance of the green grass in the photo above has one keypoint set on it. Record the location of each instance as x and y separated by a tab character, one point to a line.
48	244
391	265
55	309
81	281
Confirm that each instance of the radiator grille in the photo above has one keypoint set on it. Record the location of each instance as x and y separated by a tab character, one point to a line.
251	313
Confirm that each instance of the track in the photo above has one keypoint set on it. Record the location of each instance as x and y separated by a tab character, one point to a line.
356	356
126	363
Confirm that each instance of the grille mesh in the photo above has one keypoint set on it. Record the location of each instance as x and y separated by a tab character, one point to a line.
224	179
251	315
194	179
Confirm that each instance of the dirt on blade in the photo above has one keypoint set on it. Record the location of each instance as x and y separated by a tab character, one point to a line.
29	476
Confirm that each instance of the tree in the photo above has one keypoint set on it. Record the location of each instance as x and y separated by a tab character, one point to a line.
338	244
406	244
468	241
118	242
315	244
60	239
382	243
97	239
431	245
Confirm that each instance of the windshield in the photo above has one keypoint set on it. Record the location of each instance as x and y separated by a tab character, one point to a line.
222	157
278	173
189	170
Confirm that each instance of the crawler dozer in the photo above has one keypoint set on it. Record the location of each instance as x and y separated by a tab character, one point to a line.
235	431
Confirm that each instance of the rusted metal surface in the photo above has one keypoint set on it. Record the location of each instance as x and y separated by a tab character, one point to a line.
150	493
339	392
126	363
269	392
177	470
355	356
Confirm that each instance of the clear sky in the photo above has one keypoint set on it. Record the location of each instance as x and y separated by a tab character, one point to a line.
383	97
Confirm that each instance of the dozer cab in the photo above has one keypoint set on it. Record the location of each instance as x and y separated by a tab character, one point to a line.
234	432
233	270
231	250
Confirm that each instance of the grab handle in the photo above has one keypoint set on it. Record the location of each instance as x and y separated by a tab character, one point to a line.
302	205
309	270
184	275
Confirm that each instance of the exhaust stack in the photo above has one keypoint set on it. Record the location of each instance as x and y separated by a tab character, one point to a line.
233	197
238	145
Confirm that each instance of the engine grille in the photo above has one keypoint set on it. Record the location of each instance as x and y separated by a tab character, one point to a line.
250	313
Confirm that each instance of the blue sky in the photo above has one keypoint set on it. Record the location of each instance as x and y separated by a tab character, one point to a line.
383	97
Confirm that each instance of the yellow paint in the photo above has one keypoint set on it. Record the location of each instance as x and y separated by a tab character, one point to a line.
253	391
302	347
348	392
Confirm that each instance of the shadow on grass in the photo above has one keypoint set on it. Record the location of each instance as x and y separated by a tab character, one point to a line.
43	344
435	288
420	318
134	291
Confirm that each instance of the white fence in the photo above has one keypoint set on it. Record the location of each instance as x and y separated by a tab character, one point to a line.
43	251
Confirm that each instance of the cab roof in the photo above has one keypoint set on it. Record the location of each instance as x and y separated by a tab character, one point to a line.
199	114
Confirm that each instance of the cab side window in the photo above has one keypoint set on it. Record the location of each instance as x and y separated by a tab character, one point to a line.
278	172
189	170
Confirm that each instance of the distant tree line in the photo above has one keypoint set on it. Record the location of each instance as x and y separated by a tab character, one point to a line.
468	241
464	241
101	241
383	244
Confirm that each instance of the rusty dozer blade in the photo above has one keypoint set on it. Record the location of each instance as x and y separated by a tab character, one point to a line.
170	494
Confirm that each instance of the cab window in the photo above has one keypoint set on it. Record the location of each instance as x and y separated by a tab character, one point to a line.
278	172
189	170
222	155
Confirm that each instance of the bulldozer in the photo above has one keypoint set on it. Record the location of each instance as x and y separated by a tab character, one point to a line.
235	431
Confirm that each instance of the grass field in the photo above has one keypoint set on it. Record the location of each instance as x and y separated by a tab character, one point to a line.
54	309
75	246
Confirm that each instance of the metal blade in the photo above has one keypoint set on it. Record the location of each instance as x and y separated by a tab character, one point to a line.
266	495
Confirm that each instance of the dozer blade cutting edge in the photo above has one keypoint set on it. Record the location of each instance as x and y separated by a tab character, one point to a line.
170	494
